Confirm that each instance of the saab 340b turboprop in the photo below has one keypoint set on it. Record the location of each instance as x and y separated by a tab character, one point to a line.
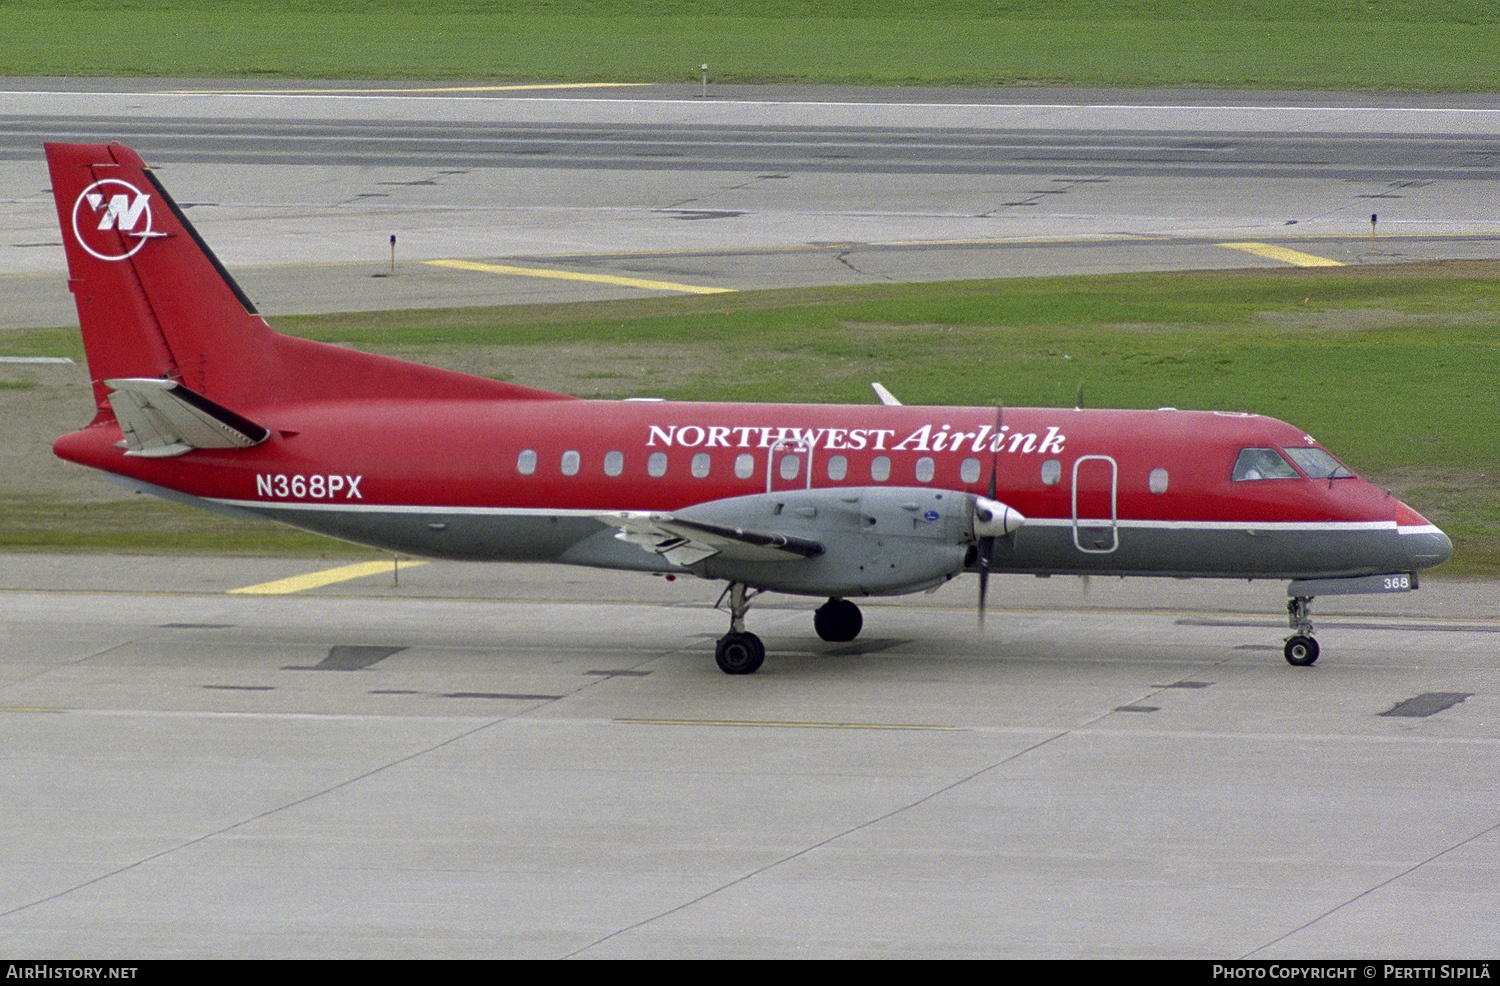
199	401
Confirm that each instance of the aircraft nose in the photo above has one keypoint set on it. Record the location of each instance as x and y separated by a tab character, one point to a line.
1426	546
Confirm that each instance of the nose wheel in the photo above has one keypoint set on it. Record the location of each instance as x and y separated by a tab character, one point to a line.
1301	648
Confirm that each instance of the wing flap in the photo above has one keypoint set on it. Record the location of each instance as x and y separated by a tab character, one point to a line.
161	418
686	542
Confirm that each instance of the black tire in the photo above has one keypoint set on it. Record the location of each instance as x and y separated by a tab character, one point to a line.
1301	651
838	621
739	653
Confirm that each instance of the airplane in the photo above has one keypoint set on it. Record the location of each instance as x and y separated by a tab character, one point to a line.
199	401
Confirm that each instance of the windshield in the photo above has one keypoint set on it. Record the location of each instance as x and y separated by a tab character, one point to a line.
1262	463
1318	464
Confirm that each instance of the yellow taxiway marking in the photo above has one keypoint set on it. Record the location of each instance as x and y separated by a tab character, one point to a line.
316	580
367	92
567	275
1293	257
784	725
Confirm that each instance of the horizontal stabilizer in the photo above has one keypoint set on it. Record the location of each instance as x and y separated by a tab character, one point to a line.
686	542
162	418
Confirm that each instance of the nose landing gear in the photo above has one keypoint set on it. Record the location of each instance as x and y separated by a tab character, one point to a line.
1301	648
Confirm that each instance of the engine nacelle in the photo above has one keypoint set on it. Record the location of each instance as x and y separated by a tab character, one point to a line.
878	540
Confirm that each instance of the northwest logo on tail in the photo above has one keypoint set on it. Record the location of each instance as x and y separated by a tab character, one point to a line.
108	215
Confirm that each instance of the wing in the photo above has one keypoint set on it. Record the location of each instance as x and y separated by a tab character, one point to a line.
686	542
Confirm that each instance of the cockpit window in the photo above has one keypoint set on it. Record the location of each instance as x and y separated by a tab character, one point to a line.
1317	463
1262	463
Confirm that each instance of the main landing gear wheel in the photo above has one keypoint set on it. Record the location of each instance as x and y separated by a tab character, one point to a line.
838	620
1301	651
739	653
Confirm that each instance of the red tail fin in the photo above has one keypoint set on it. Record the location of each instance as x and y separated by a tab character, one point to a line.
154	301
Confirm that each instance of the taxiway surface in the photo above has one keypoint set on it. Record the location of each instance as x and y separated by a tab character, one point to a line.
481	761
638	190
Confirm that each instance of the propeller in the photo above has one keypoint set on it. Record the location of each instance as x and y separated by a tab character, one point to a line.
992	519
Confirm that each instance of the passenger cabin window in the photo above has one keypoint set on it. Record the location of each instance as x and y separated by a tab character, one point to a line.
1051	472
1157	481
1262	463
526	462
744	465
880	468
570	463
700	465
926	469
838	468
656	465
614	463
969	471
1318	464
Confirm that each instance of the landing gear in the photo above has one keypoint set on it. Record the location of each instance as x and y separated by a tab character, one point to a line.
838	620
1301	649
739	651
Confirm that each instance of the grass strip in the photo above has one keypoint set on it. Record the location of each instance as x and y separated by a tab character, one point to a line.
1377	44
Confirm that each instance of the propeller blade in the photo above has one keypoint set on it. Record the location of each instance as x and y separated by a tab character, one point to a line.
984	584
991	520
995	448
985	546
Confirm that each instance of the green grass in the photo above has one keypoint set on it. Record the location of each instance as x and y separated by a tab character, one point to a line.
43	342
146	525
1447	45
